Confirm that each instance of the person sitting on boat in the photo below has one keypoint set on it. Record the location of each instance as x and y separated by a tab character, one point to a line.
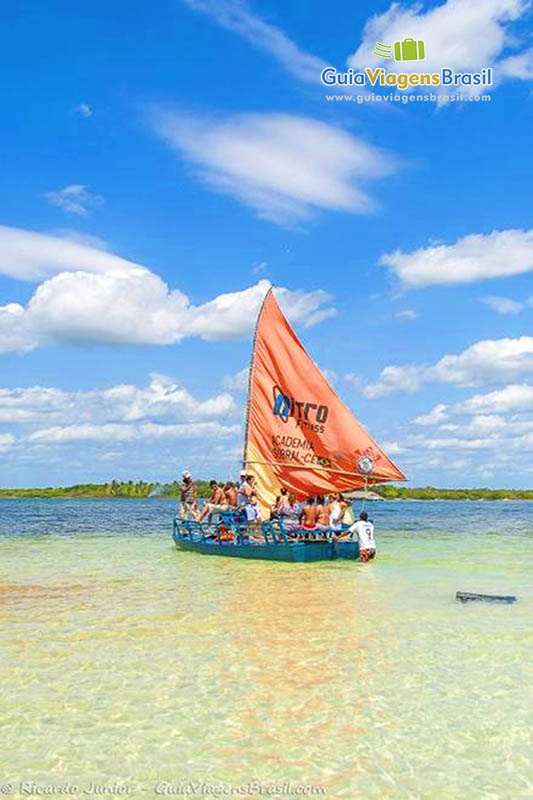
281	499
251	509
188	498
322	514
308	515
289	513
244	489
230	494
348	518
336	513
217	502
363	530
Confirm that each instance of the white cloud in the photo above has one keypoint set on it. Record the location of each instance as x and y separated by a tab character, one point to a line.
490	361
237	382
84	110
486	362
408	313
393	448
97	297
7	440
163	399
394	379
459	34
435	417
503	305
234	15
31	256
283	166
128	433
515	397
518	66
75	199
472	258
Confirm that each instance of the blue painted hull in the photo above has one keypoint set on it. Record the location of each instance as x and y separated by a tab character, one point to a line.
296	552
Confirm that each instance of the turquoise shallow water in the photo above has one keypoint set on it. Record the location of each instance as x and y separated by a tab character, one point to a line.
124	660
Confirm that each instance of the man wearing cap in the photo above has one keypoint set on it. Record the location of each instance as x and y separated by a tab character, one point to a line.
244	488
189	498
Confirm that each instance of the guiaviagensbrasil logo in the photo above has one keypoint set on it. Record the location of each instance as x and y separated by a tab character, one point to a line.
406	50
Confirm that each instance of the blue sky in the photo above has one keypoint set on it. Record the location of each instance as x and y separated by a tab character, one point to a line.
163	163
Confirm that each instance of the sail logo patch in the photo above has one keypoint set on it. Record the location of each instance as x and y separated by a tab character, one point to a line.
307	415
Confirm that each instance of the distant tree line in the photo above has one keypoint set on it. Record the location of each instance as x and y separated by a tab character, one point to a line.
392	492
143	489
133	489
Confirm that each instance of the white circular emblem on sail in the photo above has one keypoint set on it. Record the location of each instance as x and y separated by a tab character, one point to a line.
365	464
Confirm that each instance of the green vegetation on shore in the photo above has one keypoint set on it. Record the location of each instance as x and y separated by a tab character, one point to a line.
141	489
132	489
392	492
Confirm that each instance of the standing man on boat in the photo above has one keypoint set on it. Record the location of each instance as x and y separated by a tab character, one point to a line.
188	497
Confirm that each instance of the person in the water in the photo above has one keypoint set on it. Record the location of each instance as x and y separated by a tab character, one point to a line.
363	529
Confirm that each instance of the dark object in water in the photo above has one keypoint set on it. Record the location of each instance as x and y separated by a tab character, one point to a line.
464	597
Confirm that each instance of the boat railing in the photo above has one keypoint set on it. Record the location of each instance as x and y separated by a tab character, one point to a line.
230	529
234	528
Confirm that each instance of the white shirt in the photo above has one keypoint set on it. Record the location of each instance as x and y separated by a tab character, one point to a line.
335	516
365	534
252	512
242	497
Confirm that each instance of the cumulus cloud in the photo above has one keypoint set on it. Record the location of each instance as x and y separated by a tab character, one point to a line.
498	425
282	166
503	305
96	297
472	258
459	34
163	399
75	199
237	382
159	425
393	379
128	433
435	417
514	397
490	361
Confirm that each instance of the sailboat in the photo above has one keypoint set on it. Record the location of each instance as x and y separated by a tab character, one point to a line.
298	435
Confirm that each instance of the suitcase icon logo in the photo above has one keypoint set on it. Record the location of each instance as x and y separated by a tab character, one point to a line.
409	50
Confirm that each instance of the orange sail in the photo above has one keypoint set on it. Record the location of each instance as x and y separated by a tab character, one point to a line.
299	434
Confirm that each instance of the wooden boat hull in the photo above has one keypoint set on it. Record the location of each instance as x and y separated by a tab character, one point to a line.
295	552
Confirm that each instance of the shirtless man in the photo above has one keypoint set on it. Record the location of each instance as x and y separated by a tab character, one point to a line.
322	514
308	517
230	494
217	502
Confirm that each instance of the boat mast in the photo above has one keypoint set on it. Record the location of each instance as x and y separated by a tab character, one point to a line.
250	383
